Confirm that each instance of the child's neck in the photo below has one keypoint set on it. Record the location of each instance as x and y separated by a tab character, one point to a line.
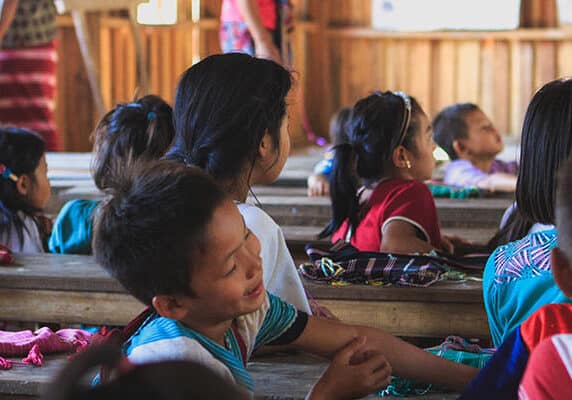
237	190
484	163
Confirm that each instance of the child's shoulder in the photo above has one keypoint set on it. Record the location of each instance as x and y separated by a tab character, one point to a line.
257	219
25	239
515	260
161	338
549	320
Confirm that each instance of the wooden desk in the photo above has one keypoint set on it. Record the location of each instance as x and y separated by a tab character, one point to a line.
275	377
72	289
315	211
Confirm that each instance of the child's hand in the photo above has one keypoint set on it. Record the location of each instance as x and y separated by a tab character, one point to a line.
354	372
318	185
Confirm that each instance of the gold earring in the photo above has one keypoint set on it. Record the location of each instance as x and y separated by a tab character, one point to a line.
408	164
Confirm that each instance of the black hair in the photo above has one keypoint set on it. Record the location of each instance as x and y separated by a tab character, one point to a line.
223	107
375	130
339	126
564	209
146	232
142	129
450	125
546	144
167	380
21	151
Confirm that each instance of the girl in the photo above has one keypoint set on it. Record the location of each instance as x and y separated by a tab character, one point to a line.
390	150
24	190
231	120
518	278
142	130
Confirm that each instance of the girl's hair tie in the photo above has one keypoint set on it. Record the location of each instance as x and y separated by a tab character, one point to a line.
7	173
151	115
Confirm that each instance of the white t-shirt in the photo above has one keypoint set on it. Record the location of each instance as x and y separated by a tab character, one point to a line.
31	241
280	275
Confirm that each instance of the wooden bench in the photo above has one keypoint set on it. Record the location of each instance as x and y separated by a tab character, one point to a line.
72	289
286	376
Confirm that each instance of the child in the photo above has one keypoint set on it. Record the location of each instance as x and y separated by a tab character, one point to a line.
178	243
542	343
231	120
24	190
517	278
468	136
143	130
318	184
390	150
256	27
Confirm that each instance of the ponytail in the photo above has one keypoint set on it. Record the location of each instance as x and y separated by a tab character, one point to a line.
343	190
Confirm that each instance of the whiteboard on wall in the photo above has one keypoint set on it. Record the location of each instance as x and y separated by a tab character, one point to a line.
423	15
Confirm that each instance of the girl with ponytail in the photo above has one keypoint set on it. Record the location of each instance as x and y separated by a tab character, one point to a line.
379	200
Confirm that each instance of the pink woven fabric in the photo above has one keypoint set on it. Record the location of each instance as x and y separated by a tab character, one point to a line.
63	341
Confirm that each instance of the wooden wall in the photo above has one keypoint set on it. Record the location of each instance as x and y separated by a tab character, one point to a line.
338	59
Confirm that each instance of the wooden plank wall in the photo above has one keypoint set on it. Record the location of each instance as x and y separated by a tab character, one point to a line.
338	59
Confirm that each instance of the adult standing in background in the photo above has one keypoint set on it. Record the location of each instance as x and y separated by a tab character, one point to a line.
28	67
257	27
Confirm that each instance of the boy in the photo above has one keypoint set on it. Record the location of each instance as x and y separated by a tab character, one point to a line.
542	345
468	136
173	238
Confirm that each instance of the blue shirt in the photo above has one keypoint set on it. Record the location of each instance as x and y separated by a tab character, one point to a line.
518	280
73	230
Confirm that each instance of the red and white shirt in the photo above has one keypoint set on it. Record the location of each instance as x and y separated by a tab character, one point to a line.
391	200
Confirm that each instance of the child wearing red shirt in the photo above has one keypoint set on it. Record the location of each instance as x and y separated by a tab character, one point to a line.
390	153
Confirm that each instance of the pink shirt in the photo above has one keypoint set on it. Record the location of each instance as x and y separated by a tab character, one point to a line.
266	8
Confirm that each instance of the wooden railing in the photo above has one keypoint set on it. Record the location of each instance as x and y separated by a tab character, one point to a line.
338	59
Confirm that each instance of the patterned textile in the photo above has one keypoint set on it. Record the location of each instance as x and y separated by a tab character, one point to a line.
28	88
161	338
343	263
518	281
528	257
34	24
455	349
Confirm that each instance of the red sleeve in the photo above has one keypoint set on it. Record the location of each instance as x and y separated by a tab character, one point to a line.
412	202
549	320
546	376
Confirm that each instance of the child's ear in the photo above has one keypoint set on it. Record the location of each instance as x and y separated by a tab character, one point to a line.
400	157
562	271
266	148
169	306
460	148
23	184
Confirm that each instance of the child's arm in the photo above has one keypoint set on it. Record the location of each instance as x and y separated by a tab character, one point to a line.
402	237
498	182
263	43
326	337
352	374
7	15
